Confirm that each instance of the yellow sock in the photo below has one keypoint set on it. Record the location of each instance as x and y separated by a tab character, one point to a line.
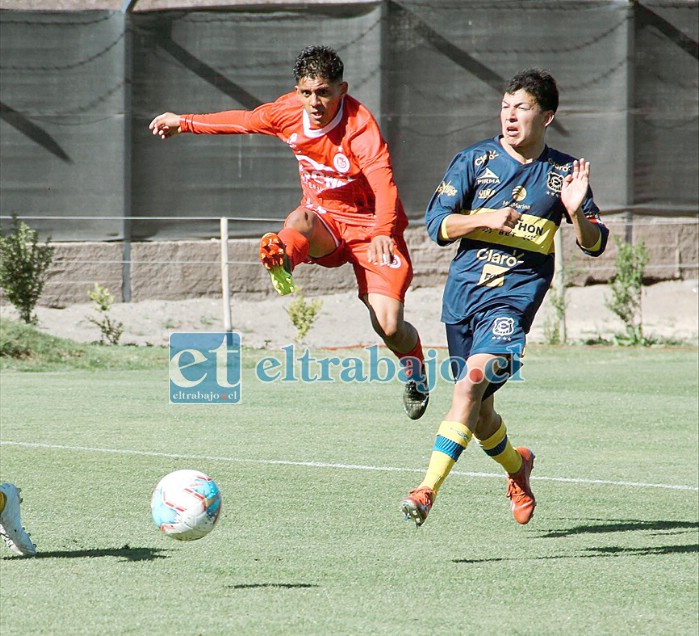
452	439
499	448
3	500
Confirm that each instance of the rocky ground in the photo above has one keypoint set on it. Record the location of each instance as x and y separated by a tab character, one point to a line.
670	311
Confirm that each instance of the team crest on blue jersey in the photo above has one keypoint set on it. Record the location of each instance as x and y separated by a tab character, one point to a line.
503	327
554	182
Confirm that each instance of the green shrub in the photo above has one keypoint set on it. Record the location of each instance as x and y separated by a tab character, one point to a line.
24	266
554	332
627	289
303	314
11	346
111	329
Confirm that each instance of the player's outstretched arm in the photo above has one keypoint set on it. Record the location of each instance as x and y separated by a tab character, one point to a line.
166	125
456	226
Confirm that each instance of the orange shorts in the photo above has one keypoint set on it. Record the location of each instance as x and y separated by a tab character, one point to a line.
353	242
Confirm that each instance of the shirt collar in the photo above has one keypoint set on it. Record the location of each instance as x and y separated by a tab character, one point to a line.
319	132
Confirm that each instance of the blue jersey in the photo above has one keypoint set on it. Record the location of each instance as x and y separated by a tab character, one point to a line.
492	268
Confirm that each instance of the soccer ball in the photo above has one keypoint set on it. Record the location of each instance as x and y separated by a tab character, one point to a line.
186	504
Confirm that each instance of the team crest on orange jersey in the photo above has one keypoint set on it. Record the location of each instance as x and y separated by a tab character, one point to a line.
341	163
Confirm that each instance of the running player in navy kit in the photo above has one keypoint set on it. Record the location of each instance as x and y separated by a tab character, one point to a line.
503	199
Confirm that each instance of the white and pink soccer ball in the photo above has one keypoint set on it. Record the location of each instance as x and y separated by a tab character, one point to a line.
186	505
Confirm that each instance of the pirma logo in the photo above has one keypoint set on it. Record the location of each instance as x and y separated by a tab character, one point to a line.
205	368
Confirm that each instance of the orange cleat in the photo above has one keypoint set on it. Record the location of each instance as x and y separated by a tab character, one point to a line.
276	262
522	502
417	505
271	250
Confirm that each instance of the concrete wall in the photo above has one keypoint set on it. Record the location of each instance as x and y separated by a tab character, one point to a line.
151	5
172	270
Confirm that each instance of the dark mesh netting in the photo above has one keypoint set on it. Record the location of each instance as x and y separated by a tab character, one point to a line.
78	90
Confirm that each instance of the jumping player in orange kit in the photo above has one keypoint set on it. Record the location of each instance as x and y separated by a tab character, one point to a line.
350	211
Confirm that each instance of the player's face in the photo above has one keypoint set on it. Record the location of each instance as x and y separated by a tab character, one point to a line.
523	121
320	98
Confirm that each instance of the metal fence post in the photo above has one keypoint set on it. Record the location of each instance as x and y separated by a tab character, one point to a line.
128	151
225	284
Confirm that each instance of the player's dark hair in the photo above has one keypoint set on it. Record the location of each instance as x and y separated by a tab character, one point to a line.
539	84
319	61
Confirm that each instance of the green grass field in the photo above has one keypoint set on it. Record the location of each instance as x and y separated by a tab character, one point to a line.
311	540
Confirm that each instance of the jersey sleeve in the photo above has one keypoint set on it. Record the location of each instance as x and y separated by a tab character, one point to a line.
371	152
386	201
261	120
452	196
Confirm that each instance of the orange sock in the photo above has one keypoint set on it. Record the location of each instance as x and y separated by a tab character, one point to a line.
296	245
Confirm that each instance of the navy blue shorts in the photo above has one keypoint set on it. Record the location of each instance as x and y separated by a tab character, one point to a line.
496	331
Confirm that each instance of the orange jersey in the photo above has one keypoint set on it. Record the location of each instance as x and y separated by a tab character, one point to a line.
345	168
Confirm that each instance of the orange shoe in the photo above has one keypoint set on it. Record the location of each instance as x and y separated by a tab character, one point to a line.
276	262
522	502
417	505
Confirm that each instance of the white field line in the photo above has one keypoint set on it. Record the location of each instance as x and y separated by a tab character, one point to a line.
282	462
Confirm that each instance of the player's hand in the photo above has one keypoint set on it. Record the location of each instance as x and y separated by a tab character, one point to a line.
575	186
503	220
166	125
380	250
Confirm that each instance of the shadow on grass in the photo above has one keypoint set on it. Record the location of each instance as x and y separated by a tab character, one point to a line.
127	553
595	553
284	586
660	550
662	528
621	526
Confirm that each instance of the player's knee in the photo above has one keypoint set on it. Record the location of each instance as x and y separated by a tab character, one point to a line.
388	327
469	389
464	402
301	220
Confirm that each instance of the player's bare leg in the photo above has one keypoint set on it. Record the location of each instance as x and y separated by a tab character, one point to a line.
303	235
453	436
490	431
401	337
472	415
320	241
467	403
